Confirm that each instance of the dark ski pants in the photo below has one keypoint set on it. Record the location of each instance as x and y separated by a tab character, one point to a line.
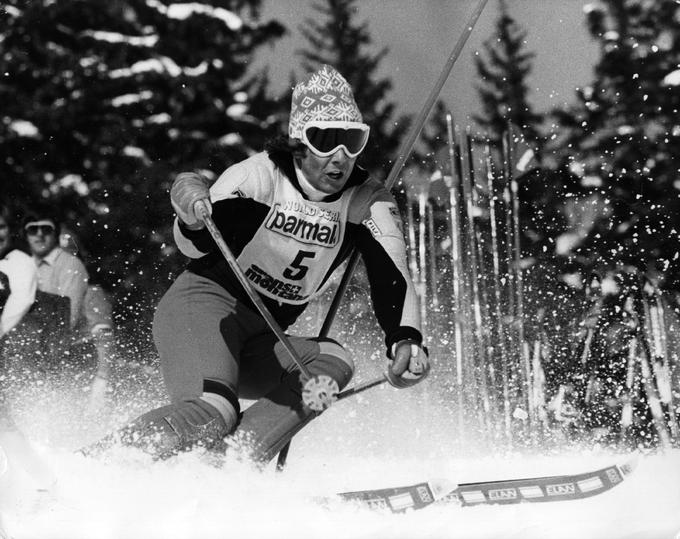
207	339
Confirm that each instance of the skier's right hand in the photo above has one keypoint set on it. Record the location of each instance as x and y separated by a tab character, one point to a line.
188	189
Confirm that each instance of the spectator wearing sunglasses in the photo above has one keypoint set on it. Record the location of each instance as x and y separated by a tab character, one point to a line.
59	272
291	215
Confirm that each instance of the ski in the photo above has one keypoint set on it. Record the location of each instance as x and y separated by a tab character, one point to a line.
510	491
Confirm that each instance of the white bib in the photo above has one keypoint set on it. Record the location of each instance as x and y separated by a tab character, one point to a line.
292	251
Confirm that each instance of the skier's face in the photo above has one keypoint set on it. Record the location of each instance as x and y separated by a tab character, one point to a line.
327	174
41	237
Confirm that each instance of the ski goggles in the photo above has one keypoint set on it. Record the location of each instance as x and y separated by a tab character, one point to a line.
324	138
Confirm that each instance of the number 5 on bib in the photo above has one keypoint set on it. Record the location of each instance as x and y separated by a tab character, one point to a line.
297	270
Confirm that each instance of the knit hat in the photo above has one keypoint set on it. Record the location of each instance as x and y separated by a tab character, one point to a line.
325	95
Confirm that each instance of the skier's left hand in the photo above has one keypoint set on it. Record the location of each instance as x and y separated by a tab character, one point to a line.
409	364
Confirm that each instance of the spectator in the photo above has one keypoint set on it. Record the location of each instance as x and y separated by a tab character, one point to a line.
69	312
18	278
18	282
96	323
59	272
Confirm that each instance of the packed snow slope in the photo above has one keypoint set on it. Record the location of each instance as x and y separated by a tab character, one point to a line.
381	438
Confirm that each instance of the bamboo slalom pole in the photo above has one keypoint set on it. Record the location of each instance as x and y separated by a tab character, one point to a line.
470	389
656	328
432	259
515	252
630	385
650	370
515	347
498	308
486	332
519	283
456	269
423	259
412	240
487	325
474	272
653	400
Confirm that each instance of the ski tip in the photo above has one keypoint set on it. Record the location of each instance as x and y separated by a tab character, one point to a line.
628	466
441	487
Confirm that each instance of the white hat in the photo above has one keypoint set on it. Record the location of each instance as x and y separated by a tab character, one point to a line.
324	96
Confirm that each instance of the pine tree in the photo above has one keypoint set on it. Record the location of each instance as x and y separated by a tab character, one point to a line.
503	91
433	139
103	102
622	136
503	70
339	41
504	97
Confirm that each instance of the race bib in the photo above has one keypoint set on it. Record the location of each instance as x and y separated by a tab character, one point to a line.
294	248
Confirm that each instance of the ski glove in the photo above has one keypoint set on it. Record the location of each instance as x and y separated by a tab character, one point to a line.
187	189
409	364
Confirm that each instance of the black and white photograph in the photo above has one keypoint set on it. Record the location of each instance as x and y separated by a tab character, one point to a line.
350	269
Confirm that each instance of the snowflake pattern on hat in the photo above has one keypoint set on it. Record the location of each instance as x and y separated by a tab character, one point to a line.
326	96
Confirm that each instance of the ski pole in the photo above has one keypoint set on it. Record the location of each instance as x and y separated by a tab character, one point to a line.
318	391
360	388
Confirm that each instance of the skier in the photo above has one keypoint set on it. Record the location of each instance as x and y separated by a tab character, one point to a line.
291	215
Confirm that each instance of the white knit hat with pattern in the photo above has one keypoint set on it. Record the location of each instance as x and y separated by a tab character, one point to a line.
325	95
